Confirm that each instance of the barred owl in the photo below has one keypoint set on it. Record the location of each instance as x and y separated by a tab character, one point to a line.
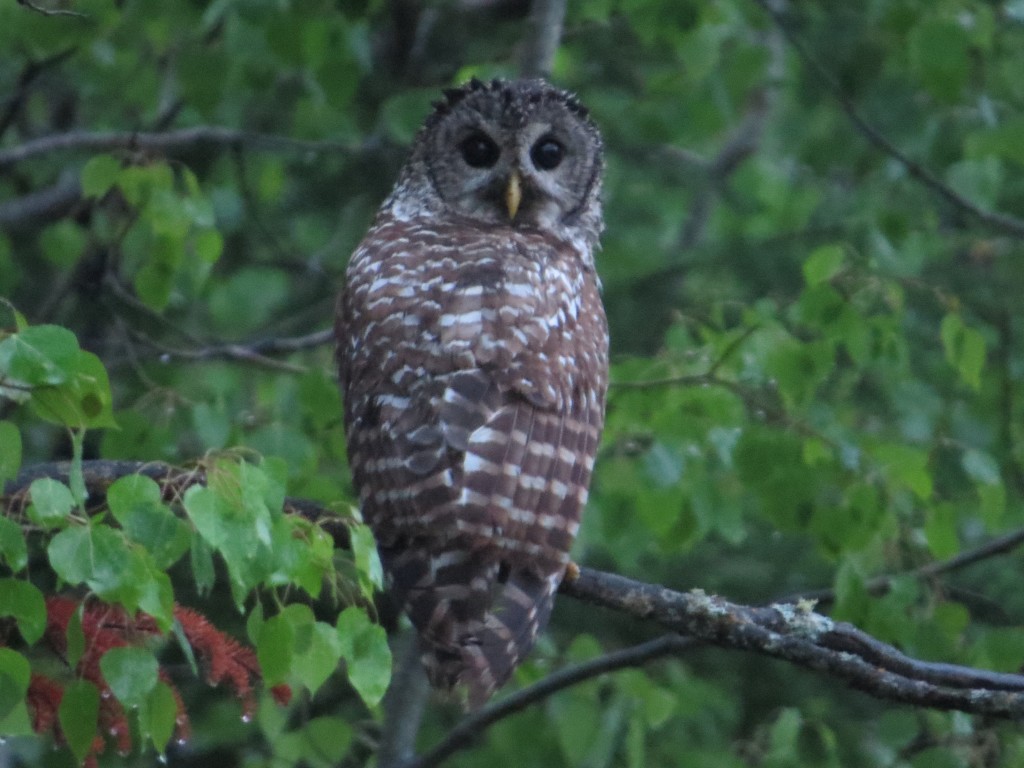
472	349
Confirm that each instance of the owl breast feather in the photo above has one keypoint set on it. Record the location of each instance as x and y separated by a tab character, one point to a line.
442	301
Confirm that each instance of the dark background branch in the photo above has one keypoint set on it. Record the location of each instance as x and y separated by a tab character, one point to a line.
170	141
541	45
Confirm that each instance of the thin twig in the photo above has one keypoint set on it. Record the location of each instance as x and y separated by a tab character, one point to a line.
28	76
51	11
100	474
255	353
469	730
879	585
708	378
169	141
995	219
744	141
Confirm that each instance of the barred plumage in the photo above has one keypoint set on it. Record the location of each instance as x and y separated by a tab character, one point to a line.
472	350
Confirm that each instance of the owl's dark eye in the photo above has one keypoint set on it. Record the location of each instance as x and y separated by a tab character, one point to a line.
479	150
547	154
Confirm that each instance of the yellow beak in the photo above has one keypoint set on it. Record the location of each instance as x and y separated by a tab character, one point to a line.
513	194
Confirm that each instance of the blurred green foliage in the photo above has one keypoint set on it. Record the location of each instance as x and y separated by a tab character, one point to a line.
817	357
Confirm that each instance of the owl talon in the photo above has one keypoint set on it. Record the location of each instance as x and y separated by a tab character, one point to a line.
572	572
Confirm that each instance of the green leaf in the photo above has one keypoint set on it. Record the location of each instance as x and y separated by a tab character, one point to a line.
852	599
101	558
208	245
364	646
1003	140
155	279
158	717
783	736
364	551
311	550
37	356
64	243
977	180
10	451
75	638
314	664
274	648
993	504
79	716
965	349
24	602
99	175
52	502
905	466
938	51
14	679
84	400
12	545
940	530
327	740
981	467
201	559
131	674
823	264
230	302
136	503
156	593
238	513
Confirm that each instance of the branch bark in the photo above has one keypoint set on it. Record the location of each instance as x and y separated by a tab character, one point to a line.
795	633
541	44
37	209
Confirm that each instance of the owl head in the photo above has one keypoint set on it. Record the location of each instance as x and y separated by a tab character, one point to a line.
512	154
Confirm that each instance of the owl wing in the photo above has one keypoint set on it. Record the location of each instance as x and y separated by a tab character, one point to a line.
477	508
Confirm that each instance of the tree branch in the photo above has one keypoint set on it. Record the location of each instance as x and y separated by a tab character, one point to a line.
37	209
469	730
255	353
100	474
880	585
744	141
995	219
170	141
541	44
403	704
798	635
29	74
51	11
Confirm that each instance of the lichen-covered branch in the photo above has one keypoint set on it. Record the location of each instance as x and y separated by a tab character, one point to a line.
795	633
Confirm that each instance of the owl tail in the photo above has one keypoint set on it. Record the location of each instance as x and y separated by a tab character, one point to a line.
490	650
476	621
